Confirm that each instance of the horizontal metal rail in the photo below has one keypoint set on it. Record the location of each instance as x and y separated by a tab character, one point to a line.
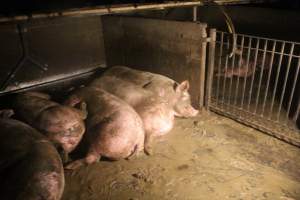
121	8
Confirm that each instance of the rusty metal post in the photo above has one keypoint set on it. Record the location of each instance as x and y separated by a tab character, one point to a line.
202	69
210	69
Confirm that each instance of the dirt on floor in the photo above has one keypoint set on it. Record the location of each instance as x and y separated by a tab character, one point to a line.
208	157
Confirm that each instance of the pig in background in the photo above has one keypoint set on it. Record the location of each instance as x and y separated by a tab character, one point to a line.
63	125
30	167
114	129
156	98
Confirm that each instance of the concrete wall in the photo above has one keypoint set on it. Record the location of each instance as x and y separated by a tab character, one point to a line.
170	48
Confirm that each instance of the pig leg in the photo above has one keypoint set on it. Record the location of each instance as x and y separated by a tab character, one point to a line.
147	144
6	113
91	157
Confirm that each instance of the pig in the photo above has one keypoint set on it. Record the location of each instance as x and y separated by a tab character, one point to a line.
114	129
158	101
244	69
63	125
176	94
30	166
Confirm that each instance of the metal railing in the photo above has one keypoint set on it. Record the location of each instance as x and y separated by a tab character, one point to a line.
258	85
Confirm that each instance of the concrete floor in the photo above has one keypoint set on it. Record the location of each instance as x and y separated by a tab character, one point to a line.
208	157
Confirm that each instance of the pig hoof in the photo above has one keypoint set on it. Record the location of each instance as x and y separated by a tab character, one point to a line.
74	165
148	151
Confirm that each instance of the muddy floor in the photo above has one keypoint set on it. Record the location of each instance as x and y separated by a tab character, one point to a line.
208	157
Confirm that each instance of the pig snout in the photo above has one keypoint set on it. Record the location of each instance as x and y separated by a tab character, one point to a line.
193	112
186	111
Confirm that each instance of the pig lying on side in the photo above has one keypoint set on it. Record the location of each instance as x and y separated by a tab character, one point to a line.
156	98
176	94
114	129
30	167
63	125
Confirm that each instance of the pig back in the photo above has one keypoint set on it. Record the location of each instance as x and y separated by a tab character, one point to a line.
29	163
29	107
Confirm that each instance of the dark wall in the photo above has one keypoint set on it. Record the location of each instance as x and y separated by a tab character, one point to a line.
64	46
264	22
167	47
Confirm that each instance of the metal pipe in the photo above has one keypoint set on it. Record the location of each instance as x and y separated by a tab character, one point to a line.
202	71
224	79
293	89
211	61
261	75
239	71
269	76
232	67
253	75
247	69
123	8
195	13
219	64
276	79
285	80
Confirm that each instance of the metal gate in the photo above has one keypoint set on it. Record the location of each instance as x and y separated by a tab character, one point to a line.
255	81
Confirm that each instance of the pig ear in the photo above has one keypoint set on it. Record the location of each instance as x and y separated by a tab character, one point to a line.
83	110
6	113
183	86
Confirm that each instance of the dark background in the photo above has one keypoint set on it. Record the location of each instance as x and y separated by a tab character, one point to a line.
13	7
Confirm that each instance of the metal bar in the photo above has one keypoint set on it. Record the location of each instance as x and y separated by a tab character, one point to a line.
261	75
295	117
219	65
239	71
123	8
293	89
264	38
232	66
202	72
269	51
285	80
269	76
211	61
224	79
195	13
253	75
247	68
276	80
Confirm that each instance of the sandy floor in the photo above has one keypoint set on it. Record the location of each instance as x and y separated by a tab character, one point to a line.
209	157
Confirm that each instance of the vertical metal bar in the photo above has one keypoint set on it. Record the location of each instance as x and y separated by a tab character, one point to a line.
211	61
239	71
261	75
247	68
219	64
293	89
253	75
269	76
224	79
296	115
285	80
232	66
202	70
276	79
195	13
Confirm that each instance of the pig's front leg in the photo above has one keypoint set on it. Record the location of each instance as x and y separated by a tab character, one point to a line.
147	144
91	157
